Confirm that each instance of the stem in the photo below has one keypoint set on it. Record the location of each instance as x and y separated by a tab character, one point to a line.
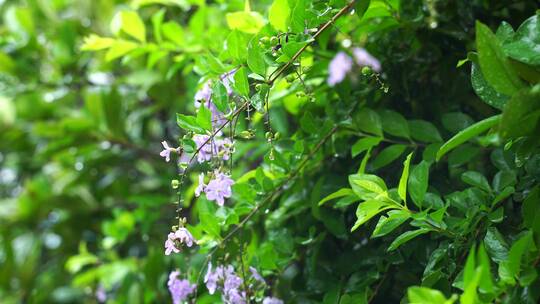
282	69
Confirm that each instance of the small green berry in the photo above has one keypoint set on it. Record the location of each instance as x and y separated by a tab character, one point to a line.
175	183
274	41
366	71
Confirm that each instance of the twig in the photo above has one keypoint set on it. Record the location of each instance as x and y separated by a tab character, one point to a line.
280	71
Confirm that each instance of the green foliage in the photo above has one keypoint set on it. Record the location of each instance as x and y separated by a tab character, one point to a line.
418	183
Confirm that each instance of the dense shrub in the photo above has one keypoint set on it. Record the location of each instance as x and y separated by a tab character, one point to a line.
285	151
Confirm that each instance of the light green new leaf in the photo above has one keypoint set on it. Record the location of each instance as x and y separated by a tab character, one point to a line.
237	44
247	22
96	43
405	237
424	295
493	62
367	186
464	135
402	188
279	15
385	225
368	209
130	23
340	193
120	48
173	32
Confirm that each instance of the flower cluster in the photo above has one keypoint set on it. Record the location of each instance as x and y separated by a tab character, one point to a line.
176	238
342	64
225	279
221	148
179	289
217	189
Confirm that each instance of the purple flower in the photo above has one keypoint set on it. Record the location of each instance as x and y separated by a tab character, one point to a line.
219	188
338	68
101	294
255	275
363	58
270	300
175	239
211	279
200	188
204	94
224	148
234	296
166	151
180	289
205	147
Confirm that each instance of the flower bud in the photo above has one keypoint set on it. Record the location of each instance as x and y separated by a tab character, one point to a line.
277	136
264	40
366	71
175	183
258	87
268	135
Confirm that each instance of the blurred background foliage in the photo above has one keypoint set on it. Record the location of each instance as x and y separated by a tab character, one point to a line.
86	199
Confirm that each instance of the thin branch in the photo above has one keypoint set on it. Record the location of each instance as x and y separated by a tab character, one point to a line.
280	71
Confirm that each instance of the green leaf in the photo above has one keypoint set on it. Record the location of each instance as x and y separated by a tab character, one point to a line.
524	44
531	210
388	155
367	120
509	269
456	121
255	58
279	15
424	131
424	295
493	62
496	245
465	135
402	188
237	44
367	186
130	23
418	182
485	91
173	32
394	123
241	82
298	16
247	22
476	179
407	236
486	282
120	48
368	209
521	115
220	97
189	123
388	224
363	144
340	193
204	118
96	43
